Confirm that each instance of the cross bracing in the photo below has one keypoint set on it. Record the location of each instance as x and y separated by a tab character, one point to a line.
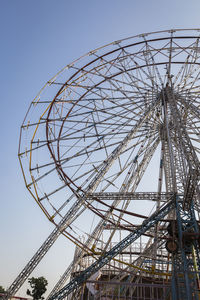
115	135
113	252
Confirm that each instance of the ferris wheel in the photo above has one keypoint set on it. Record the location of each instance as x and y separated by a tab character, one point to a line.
109	149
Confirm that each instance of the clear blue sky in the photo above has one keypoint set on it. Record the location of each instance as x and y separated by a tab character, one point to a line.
38	38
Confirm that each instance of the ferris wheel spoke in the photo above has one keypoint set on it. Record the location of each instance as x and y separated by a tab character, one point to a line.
100	226
132	77
136	174
194	110
135	81
189	152
149	53
73	211
110	116
188	68
103	111
193	58
122	118
153	69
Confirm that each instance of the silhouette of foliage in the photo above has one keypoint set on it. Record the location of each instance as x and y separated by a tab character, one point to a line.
1	291
38	287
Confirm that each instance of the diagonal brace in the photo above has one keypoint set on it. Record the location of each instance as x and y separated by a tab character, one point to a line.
104	259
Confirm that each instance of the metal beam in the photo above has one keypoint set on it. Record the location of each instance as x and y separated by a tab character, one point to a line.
131	196
71	214
134	179
104	259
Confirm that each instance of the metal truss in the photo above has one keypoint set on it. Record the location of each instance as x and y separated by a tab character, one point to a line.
71	214
186	262
104	259
184	140
88	140
132	196
135	176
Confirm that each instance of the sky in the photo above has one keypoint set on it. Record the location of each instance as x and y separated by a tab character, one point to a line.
38	38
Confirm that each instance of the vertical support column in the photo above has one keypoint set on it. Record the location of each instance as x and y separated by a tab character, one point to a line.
188	235
186	260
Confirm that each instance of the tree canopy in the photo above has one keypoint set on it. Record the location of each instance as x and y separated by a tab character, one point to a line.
1	291
38	287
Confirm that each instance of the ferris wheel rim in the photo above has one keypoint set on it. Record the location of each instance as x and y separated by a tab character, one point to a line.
57	161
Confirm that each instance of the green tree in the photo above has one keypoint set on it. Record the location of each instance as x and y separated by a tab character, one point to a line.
38	286
2	291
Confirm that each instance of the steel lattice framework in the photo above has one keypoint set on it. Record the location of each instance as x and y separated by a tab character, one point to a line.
114	138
